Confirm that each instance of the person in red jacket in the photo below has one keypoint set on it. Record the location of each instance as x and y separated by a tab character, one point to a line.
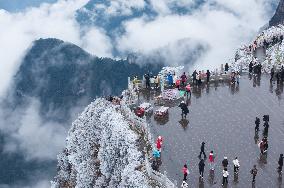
185	172
211	160
188	91
159	143
183	79
178	84
159	146
160	139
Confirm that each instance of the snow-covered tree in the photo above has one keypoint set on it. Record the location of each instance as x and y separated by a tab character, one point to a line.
101	151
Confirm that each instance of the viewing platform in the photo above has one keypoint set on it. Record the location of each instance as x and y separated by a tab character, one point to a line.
222	115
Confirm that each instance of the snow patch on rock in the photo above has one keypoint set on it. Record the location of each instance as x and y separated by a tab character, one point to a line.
101	151
274	50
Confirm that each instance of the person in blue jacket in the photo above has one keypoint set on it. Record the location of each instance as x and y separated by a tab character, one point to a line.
156	154
170	79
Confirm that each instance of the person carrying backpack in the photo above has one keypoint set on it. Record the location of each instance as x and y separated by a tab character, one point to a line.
254	173
184	109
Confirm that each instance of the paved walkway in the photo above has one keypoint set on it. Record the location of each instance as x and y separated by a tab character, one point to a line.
223	117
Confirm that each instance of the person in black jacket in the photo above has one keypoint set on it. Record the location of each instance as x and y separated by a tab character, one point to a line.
266	126
254	173
282	73
280	163
226	67
201	166
147	78
194	76
225	162
278	77
271	74
208	76
184	109
202	148
257	122
250	67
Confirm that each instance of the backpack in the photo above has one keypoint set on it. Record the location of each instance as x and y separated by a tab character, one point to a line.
253	172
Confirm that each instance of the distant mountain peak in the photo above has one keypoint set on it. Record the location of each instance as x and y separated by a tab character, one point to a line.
61	75
278	17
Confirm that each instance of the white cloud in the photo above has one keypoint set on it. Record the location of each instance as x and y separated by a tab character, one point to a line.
161	7
123	7
164	7
41	184
222	24
37	183
96	42
28	133
57	20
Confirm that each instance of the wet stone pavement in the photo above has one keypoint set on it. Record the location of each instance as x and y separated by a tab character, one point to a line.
223	117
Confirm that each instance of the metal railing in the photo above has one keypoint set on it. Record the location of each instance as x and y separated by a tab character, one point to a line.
215	77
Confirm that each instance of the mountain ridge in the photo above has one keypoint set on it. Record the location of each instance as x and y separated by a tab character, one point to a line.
278	17
70	74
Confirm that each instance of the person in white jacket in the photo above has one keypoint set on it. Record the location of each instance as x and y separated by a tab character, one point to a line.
225	176
236	165
184	185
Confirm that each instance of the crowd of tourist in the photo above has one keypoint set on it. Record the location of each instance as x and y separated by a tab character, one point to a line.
263	145
182	83
197	78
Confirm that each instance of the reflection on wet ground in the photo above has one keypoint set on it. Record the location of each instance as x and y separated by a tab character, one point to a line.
222	115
